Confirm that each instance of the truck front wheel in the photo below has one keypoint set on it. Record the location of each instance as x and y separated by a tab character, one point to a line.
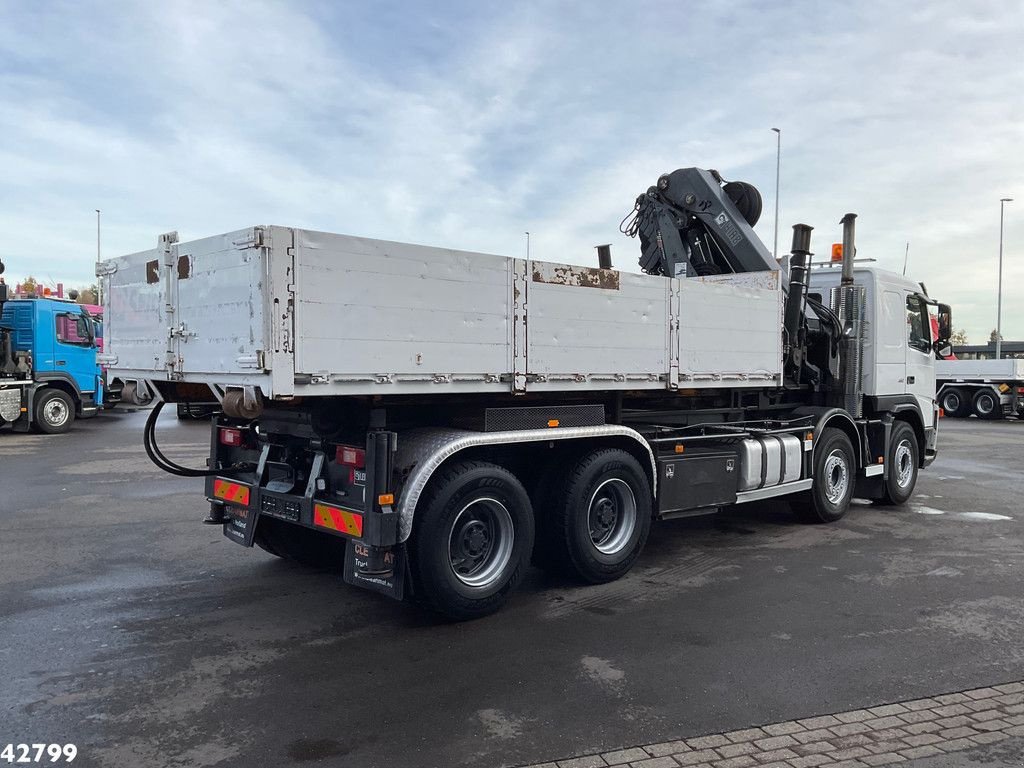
54	411
471	540
602	517
903	463
835	471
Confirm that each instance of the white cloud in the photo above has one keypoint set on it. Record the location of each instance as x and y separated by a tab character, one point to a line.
465	126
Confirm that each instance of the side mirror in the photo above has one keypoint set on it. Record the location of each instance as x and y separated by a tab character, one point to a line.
945	322
943	350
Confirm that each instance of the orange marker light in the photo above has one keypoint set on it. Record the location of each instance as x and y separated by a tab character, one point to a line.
837	251
881	460
680	448
386	499
809	436
553	422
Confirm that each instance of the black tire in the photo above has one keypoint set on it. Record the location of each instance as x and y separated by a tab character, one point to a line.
471	540
835	474
54	411
903	460
602	516
954	403
303	545
986	405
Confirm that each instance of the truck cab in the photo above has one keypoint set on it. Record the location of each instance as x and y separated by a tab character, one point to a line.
49	374
898	351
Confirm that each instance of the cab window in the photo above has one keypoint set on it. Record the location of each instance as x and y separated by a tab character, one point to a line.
73	329
919	334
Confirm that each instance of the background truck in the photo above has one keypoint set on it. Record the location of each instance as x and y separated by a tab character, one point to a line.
434	419
988	389
48	368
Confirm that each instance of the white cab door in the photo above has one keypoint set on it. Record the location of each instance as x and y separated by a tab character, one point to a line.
920	366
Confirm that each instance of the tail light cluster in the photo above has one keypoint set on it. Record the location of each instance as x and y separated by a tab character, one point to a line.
233	437
348	456
354	459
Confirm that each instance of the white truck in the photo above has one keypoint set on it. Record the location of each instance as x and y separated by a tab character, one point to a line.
988	389
430	420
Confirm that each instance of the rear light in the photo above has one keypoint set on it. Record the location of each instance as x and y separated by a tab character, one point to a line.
231	437
1020	390
351	457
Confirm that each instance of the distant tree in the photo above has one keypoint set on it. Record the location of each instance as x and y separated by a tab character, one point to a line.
959	338
994	335
29	285
87	294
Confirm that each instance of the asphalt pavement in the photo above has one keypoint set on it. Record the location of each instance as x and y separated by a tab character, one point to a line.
148	639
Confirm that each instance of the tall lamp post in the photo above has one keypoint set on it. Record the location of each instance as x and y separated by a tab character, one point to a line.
999	296
527	245
99	283
778	163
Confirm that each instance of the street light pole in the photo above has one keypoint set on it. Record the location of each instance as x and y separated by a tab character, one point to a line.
99	283
778	164
999	296
527	246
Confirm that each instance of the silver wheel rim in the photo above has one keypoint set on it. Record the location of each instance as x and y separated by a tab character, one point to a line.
611	516
985	405
904	461
56	412
952	402
837	476
480	542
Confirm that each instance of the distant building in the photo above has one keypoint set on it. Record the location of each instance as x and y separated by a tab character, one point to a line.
988	351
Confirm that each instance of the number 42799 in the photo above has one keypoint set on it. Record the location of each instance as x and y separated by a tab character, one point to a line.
38	753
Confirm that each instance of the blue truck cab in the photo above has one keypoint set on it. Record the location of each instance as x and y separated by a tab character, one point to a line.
49	374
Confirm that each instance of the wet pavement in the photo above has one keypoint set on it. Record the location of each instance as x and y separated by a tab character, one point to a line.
146	638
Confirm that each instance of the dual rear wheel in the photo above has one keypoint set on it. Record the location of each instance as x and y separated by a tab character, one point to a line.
474	531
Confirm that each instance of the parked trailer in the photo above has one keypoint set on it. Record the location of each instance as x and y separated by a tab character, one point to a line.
988	389
433	419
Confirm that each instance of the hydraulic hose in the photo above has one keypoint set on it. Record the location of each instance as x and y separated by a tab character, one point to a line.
157	456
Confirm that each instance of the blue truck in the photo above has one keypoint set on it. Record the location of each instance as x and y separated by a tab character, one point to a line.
49	374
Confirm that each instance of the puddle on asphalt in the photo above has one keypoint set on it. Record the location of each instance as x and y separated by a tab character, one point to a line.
962	515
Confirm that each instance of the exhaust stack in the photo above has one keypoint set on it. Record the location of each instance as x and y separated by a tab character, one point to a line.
849	246
604	256
796	300
848	302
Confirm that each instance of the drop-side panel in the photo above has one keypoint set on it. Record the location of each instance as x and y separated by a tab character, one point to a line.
602	327
221	290
377	312
134	318
730	331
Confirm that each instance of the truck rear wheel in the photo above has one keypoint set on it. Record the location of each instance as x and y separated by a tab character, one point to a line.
987	405
835	471
54	411
954	403
471	540
903	463
602	517
303	545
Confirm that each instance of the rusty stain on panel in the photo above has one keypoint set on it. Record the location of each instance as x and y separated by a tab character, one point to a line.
184	267
579	277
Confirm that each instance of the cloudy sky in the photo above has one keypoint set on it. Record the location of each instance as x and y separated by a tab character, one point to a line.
465	124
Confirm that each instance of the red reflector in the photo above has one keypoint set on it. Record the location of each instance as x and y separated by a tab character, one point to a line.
351	457
1020	390
232	437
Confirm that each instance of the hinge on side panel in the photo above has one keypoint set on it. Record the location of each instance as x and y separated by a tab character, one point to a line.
253	239
181	332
